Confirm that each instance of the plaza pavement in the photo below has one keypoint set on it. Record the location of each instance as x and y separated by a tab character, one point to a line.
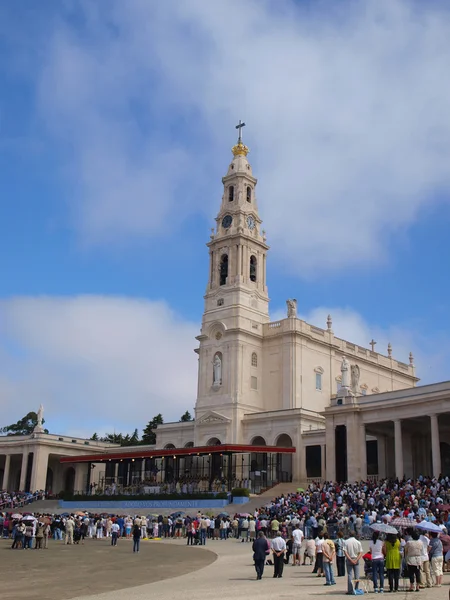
232	577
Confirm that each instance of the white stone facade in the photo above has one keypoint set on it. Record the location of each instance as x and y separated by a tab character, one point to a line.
256	378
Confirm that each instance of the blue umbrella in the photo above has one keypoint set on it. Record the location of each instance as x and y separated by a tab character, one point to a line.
427	526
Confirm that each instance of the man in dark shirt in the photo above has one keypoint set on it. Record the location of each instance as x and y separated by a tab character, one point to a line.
260	549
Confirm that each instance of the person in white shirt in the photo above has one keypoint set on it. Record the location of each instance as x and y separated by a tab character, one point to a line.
318	567
426	562
115	530
376	550
297	535
278	547
353	552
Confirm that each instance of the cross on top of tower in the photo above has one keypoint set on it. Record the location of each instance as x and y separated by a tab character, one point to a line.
239	126
240	149
372	343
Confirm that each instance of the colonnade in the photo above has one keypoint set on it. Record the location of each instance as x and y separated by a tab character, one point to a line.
400	451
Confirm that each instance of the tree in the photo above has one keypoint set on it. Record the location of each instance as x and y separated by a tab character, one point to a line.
149	435
186	417
25	426
94	437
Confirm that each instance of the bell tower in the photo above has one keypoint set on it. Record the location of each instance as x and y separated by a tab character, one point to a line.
237	247
236	303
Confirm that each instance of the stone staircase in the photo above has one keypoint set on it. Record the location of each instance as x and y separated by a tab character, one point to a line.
265	497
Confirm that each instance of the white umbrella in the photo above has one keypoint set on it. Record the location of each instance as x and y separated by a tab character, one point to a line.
427	526
16	516
383	528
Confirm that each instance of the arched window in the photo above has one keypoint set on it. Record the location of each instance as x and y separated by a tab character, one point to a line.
253	265
254	359
319	381
223	269
249	194
231	193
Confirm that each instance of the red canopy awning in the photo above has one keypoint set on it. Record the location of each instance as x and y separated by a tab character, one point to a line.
145	452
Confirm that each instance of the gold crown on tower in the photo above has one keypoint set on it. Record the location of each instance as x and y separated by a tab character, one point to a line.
240	149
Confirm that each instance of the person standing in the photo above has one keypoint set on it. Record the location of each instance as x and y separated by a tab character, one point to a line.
260	549
436	555
203	528
425	569
69	526
278	549
329	552
136	537
297	536
318	566
391	550
39	535
47	534
376	550
353	552
340	556
115	530
413	556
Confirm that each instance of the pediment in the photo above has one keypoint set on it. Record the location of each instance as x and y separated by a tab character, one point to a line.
212	417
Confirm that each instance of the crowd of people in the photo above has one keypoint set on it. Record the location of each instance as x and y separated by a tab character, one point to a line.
183	485
9	500
321	526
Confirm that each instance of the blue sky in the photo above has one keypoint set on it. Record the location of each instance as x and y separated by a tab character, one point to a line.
115	130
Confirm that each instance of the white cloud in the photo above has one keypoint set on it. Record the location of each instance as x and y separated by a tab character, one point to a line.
347	114
109	362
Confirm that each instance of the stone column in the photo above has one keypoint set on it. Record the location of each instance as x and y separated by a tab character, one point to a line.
435	446
399	470
323	461
330	443
23	470
5	482
39	470
363	456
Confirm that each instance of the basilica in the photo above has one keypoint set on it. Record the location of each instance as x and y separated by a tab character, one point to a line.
276	400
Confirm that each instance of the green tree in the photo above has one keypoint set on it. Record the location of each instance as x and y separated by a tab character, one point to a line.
94	437
149	435
186	417
25	426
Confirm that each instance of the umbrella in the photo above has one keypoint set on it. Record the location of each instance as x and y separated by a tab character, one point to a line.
223	514
16	516
300	490
244	514
80	513
383	528
402	522
427	526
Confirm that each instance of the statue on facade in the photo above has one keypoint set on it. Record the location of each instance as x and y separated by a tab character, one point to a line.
355	373
291	307
217	370
40	419
40	416
345	375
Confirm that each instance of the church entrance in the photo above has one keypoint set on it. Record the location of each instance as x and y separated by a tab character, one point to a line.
69	480
258	467
284	461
